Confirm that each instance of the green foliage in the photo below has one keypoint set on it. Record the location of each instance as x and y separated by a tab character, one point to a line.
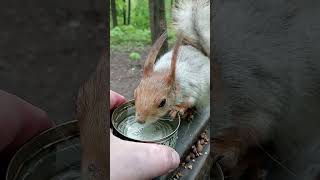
135	56
125	34
140	14
138	32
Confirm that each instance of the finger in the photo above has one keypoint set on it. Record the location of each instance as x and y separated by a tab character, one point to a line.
155	160
115	99
35	121
19	121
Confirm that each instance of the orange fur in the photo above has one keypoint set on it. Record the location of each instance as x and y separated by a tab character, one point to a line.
148	66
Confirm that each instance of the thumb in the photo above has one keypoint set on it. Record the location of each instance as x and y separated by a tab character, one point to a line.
139	161
156	160
115	99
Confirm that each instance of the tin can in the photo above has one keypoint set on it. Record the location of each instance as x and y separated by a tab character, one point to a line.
53	155
125	126
217	172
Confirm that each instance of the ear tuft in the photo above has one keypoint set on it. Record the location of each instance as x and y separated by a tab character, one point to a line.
175	57
148	66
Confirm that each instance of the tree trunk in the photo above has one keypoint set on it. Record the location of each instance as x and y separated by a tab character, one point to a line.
129	11
114	13
124	12
158	22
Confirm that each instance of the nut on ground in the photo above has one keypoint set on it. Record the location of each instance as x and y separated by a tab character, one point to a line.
202	142
192	156
199	148
188	158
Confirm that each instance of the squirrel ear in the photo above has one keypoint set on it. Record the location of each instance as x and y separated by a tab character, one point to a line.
174	58
148	66
169	79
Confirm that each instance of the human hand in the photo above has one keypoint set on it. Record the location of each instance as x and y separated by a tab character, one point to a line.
19	121
138	161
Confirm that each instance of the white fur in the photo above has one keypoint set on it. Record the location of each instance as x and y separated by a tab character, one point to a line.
192	68
191	16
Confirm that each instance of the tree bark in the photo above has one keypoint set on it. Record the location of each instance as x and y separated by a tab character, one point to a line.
124	12
158	22
114	13
129	11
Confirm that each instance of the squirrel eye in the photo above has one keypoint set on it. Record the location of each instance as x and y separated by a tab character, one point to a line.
163	102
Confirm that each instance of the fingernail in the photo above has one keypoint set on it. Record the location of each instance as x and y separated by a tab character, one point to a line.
176	159
117	94
115	99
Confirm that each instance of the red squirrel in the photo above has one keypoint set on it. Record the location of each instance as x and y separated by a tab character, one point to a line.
179	81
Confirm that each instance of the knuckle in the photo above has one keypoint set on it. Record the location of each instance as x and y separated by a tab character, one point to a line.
163	155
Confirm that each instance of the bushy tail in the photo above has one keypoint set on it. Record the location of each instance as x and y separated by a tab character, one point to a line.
192	18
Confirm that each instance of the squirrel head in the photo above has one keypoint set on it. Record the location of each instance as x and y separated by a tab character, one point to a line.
155	95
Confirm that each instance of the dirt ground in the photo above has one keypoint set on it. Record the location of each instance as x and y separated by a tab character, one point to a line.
125	74
47	50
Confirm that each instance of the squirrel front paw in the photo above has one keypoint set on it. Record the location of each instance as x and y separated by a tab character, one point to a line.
185	112
173	113
189	114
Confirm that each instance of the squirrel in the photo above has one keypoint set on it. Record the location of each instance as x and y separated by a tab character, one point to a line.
179	81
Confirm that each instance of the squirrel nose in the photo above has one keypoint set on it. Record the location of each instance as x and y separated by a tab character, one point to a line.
138	118
141	122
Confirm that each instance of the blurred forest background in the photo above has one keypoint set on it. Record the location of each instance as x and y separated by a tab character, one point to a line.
134	26
48	49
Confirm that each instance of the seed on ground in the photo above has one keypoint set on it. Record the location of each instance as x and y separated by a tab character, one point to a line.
199	148
188	158
202	142
192	156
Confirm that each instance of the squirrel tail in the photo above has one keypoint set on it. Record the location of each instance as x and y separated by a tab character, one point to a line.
192	19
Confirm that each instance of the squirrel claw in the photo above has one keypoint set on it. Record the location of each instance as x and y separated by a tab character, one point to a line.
184	112
173	113
189	114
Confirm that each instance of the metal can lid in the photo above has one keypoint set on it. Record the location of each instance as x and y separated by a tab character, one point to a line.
124	122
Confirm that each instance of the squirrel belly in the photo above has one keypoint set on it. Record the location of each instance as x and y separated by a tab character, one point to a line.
192	76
